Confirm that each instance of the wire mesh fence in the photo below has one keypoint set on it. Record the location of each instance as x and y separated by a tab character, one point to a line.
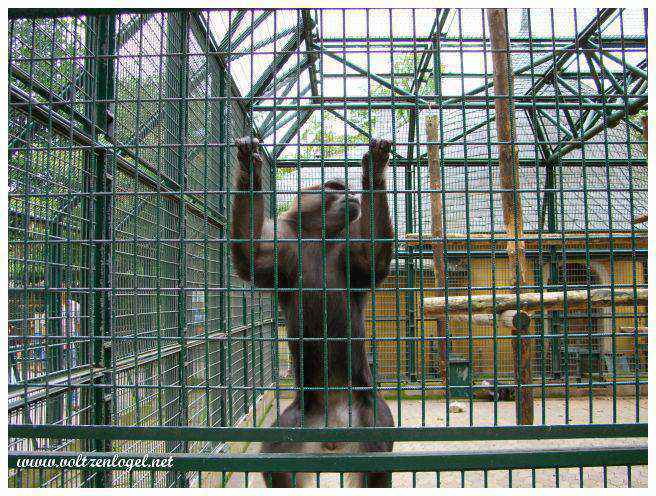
129	310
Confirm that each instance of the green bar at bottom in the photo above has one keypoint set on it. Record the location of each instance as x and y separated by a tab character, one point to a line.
363	462
352	434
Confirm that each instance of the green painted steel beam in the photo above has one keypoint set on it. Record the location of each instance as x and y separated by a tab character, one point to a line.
573	131
593	73
447	104
132	27
178	85
274	123
292	74
41	13
175	126
232	29
357	128
464	134
459	162
607	74
102	73
249	30
538	41
555	122
630	67
539	133
262	43
351	434
380	461
284	118
279	61
313	56
351	124
273	115
576	128
588	118
371	75
560	60
125	33
610	121
469	74
302	118
436	30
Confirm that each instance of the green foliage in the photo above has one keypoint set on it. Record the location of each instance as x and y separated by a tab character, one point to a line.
283	171
282	207
34	43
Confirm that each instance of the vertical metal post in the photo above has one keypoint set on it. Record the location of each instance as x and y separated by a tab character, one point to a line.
411	323
409	299
215	84
57	362
182	225
553	265
511	200
182	76
100	86
224	207
176	132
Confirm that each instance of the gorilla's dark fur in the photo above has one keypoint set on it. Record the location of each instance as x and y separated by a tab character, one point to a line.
310	371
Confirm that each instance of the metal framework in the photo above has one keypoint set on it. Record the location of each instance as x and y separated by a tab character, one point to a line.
130	331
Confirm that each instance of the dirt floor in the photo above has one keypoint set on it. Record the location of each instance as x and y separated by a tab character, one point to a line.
434	414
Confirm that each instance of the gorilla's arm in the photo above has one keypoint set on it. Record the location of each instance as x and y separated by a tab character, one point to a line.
373	176
241	228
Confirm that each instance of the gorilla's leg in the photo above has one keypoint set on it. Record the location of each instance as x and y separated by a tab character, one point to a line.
291	417
383	419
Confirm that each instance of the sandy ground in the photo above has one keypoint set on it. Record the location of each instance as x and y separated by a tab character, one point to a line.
434	414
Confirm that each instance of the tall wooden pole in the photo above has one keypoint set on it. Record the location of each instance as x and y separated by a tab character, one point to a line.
511	201
437	229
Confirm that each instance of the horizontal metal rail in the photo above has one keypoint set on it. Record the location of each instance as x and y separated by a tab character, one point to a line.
351	434
378	104
460	162
146	172
364	462
38	13
37	390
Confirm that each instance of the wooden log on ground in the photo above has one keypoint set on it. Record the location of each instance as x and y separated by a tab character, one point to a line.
533	302
437	229
510	318
510	198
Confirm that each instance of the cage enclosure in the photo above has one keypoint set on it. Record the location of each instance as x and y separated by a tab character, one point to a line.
514	307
